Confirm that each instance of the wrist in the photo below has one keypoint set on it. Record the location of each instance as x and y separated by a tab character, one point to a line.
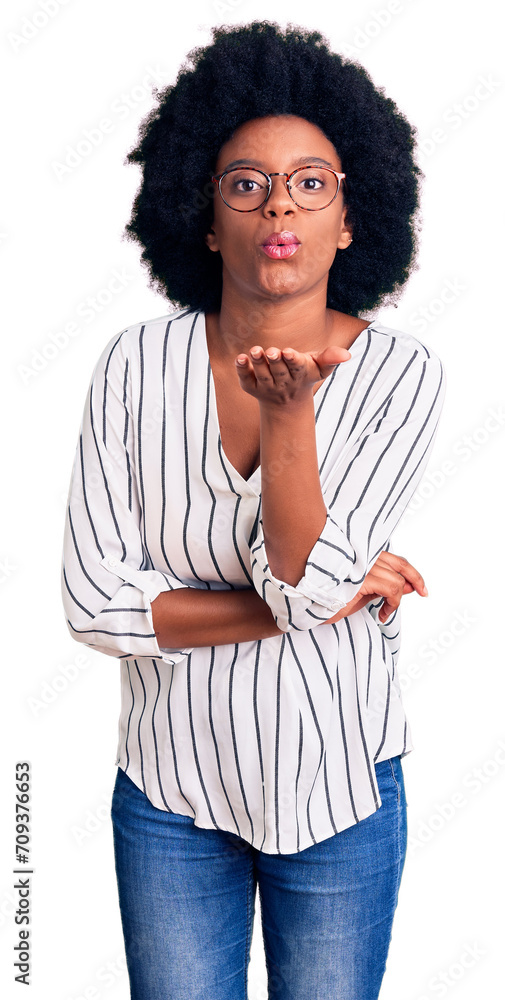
271	411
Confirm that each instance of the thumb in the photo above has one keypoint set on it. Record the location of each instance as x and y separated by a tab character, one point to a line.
331	356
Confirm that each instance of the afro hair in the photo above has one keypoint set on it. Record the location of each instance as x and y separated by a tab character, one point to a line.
249	72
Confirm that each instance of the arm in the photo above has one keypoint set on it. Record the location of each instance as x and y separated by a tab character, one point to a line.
292	504
364	495
114	602
213	618
108	582
293	507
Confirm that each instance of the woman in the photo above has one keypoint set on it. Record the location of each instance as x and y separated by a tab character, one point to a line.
242	464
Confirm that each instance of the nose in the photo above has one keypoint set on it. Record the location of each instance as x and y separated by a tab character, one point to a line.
279	201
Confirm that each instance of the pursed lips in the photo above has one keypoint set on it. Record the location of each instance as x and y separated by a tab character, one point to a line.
278	246
281	239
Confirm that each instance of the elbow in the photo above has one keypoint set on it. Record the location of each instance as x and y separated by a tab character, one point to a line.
79	631
287	560
286	573
283	567
95	641
82	637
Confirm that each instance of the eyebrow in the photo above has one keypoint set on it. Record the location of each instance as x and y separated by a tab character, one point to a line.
300	162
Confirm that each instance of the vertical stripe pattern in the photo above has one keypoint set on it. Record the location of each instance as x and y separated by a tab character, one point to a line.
274	740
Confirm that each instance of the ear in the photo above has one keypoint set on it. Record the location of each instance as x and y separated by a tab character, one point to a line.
345	237
211	240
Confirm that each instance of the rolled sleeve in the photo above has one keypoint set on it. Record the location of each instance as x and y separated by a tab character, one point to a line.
365	493
107	583
314	599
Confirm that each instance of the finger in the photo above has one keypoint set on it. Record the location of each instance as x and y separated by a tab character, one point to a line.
327	360
256	354
412	577
245	370
389	606
383	569
274	356
409	572
278	368
385	611
242	361
260	357
260	364
294	360
302	366
387	582
359	602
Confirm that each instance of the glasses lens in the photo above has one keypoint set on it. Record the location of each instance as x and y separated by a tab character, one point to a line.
244	189
313	187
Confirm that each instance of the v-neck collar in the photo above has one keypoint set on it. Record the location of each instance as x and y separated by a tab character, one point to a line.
251	485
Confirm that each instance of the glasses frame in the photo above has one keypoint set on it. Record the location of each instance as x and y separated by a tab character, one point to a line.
340	177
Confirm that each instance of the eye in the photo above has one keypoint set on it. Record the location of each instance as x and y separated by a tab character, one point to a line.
310	183
310	180
242	182
244	185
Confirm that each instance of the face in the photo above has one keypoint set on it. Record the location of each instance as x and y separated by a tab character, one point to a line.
277	144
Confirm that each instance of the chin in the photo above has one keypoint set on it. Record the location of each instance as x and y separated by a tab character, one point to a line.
282	286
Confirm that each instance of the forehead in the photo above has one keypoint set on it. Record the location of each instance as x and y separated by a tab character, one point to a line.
262	138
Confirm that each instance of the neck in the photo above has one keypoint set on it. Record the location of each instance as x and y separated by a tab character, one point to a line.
304	324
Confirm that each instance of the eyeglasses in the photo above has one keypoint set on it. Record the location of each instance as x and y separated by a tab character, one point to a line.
311	188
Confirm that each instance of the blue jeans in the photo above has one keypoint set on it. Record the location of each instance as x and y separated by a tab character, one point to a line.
187	899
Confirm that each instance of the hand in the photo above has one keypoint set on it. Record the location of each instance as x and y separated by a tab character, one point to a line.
391	577
283	376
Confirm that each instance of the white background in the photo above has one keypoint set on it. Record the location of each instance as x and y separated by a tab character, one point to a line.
60	244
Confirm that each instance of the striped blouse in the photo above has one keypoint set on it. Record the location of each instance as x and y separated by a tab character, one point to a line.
273	740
